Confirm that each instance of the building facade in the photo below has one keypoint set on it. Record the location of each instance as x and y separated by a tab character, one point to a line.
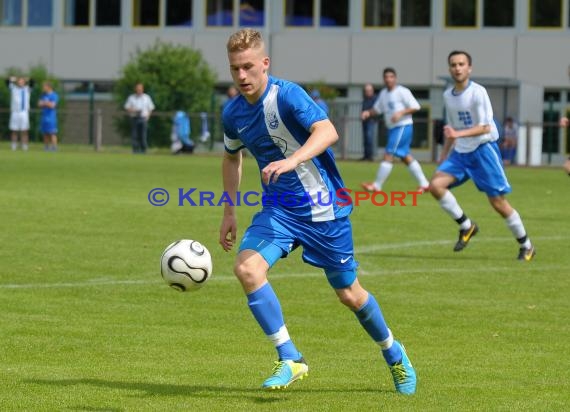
521	49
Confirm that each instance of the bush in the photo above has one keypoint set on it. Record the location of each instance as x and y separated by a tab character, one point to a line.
38	74
176	78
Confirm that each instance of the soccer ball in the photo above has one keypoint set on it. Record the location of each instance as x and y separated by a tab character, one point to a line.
186	265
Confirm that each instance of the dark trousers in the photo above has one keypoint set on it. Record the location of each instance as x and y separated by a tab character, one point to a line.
369	130
139	127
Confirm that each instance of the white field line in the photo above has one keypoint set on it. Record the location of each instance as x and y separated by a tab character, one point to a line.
361	272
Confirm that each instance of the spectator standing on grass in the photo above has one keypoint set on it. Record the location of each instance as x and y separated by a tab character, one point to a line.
509	142
48	121
565	122
369	125
139	105
316	95
20	91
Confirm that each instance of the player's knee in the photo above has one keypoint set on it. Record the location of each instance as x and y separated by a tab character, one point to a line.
348	299
243	270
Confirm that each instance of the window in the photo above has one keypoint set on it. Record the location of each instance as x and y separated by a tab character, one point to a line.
545	13
461	13
334	13
415	13
77	13
179	12
499	13
107	12
10	12
420	94
220	13
146	12
553	96
379	13
299	13
251	13
40	13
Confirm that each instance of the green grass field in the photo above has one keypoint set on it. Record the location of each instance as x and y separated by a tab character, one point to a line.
87	324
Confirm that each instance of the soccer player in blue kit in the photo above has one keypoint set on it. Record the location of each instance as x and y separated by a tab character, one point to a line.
289	136
472	132
48	124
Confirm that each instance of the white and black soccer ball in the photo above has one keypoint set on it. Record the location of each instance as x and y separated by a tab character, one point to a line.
186	265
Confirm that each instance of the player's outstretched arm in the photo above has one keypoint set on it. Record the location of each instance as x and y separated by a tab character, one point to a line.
231	175
323	135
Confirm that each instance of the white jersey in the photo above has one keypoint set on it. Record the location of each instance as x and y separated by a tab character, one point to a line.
19	98
472	107
141	104
395	100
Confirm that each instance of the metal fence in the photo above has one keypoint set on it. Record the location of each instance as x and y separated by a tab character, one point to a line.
538	143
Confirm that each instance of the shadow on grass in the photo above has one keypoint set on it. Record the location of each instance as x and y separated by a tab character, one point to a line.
256	395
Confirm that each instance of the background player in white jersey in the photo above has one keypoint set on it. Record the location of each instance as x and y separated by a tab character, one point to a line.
20	91
397	104
289	135
471	130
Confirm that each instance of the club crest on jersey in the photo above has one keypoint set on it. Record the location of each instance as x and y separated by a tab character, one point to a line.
272	120
280	143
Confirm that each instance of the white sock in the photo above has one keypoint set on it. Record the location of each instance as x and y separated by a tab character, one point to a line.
416	170
388	342
24	147
448	202
14	146
515	224
280	337
382	174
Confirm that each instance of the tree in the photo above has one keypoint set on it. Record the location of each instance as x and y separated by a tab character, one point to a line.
176	77
38	73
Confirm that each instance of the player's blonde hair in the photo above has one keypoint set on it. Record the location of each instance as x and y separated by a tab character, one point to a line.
245	39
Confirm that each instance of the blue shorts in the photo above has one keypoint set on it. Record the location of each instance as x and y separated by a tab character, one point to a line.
48	127
483	165
327	245
399	140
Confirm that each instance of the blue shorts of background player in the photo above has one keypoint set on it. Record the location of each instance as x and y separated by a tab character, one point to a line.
327	245
400	140
48	127
483	165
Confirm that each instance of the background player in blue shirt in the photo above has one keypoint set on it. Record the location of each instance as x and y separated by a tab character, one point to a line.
289	136
48	122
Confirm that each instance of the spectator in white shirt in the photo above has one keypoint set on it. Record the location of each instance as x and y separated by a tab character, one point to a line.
140	107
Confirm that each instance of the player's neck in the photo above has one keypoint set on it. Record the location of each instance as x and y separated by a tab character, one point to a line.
460	86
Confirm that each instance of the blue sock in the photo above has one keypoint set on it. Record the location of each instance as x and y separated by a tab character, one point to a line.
266	309
371	319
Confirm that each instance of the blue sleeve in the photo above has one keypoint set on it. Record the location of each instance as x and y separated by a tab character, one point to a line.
232	142
296	102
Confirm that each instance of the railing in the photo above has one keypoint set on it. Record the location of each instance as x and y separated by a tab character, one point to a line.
538	143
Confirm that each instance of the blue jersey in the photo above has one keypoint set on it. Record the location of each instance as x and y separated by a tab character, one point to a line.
49	114
272	129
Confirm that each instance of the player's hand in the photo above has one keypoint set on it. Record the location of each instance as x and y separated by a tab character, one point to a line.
449	132
273	170
564	121
365	115
228	232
